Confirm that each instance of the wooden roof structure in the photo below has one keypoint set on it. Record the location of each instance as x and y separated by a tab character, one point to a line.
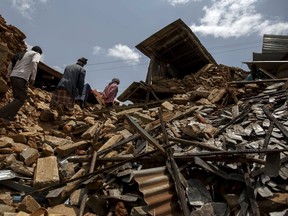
47	78
177	46
174	52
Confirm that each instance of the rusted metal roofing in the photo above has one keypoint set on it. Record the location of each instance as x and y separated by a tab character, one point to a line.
177	46
275	43
156	187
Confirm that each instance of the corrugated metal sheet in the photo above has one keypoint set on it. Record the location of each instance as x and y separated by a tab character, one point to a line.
274	55
275	43
158	190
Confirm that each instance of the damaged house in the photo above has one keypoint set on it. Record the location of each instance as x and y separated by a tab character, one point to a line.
273	61
174	52
177	59
198	140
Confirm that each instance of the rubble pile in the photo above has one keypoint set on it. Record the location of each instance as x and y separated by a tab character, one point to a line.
211	78
222	74
218	149
12	41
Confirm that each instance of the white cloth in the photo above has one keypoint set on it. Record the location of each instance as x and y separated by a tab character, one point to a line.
25	67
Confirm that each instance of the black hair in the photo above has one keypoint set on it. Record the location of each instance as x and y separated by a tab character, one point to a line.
37	49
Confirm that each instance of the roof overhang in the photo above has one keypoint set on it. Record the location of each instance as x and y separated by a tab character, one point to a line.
177	46
267	65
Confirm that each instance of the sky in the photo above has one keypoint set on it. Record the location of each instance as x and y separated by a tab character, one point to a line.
106	32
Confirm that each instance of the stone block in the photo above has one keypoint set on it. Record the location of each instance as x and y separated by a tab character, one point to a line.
46	172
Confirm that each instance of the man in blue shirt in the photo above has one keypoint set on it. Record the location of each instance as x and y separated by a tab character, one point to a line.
70	86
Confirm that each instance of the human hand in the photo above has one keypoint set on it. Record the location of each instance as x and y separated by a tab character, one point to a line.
31	82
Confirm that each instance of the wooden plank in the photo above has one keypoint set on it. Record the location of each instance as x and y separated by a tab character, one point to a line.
174	171
272	165
267	73
144	134
211	168
118	144
241	116
257	172
98	97
267	138
85	196
277	123
69	188
203	69
195	143
250	195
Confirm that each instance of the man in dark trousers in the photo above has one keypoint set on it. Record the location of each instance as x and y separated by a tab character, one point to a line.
70	86
22	71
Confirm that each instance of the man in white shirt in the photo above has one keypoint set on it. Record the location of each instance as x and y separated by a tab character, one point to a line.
22	71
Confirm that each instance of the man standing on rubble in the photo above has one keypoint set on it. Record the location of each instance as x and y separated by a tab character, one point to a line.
70	86
22	71
110	92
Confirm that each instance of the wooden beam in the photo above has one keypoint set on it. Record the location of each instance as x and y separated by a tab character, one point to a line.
144	134
277	123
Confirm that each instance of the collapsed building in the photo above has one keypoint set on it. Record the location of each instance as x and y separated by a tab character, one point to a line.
197	140
174	52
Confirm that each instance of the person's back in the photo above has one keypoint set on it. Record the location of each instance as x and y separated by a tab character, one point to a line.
70	86
110	92
73	79
26	66
21	71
